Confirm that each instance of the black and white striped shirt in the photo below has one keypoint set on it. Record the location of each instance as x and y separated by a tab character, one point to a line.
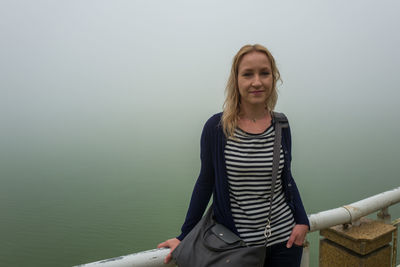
248	160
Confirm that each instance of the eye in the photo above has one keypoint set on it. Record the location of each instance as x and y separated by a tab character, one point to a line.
265	73
247	74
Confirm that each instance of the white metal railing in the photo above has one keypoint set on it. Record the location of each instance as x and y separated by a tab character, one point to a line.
349	214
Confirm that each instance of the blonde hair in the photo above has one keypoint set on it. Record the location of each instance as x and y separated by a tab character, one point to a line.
231	107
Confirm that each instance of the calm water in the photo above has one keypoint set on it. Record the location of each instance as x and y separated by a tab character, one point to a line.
102	104
77	199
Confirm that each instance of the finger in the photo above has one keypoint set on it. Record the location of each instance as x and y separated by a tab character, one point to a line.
301	239
290	241
168	258
163	245
298	241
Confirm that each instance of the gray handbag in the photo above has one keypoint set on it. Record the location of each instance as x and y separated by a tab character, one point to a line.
211	244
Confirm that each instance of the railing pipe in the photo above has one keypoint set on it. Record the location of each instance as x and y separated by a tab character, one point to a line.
352	212
343	215
148	258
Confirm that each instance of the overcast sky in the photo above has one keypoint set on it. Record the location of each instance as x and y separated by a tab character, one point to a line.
77	67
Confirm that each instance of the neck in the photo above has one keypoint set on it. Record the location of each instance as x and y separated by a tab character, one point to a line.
253	112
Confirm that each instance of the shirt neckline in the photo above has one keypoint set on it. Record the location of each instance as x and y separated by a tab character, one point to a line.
255	134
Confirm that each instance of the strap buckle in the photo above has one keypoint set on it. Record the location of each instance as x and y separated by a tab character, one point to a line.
267	230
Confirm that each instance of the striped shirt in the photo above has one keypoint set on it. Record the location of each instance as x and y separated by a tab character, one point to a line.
248	160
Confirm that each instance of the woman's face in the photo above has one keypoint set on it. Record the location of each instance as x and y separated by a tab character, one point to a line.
254	78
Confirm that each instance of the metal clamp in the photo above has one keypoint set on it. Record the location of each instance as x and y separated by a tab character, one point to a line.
267	231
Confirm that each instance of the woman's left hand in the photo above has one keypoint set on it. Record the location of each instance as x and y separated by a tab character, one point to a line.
298	235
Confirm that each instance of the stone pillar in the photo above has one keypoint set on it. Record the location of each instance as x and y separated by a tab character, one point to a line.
366	245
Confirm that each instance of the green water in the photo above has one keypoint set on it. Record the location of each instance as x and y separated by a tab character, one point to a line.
102	105
70	200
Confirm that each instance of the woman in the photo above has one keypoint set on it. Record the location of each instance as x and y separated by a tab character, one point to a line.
236	156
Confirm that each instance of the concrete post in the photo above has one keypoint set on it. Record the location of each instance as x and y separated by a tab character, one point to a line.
366	245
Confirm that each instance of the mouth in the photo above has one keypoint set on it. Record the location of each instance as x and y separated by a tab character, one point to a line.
257	92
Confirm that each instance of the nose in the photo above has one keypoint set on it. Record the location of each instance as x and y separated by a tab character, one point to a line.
256	81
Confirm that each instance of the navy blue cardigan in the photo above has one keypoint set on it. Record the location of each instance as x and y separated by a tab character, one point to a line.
213	180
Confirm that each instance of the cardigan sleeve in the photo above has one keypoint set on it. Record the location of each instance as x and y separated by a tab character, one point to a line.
204	185
300	215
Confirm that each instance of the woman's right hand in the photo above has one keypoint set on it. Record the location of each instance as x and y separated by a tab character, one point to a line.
170	243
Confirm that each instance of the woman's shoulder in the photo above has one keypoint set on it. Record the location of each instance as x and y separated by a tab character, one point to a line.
214	120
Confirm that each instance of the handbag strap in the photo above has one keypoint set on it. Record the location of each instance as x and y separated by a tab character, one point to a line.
280	121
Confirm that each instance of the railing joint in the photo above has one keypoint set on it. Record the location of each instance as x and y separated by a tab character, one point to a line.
384	215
